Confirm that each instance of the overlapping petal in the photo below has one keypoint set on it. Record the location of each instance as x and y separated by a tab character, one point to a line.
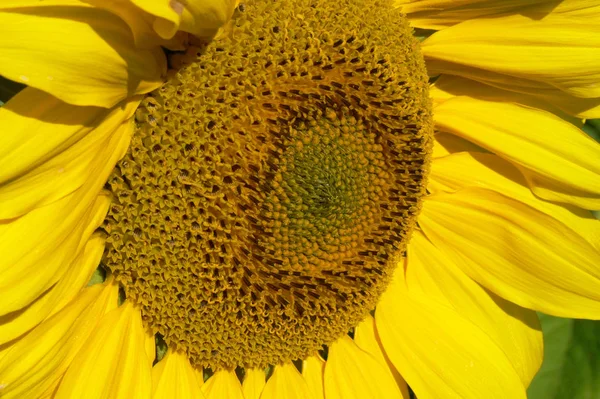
439	352
51	148
313	370
570	108
201	18
440	14
113	362
254	382
80	54
559	160
223	384
350	372
39	246
38	249
557	51
462	170
36	363
516	331
150	345
516	251
75	278
286	383
366	337
174	378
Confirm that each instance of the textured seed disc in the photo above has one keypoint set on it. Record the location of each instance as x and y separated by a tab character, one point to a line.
272	184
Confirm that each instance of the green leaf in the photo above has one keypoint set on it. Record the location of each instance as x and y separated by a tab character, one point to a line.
98	277
571	368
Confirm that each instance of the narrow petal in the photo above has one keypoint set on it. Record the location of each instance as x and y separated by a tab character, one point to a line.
174	378
350	372
367	339
201	18
313	371
39	247
440	353
33	264
516	331
559	160
223	384
51	148
199	373
150	345
26	145
113	362
516	251
570	108
37	362
556	50
458	171
286	383
139	22
75	278
440	14
445	144
80	54
254	382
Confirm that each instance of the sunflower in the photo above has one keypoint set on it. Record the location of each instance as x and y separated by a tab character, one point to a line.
294	199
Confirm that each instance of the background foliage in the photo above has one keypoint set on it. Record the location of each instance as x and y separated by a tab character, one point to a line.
571	368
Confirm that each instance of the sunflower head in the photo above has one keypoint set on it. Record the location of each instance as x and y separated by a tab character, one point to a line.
273	182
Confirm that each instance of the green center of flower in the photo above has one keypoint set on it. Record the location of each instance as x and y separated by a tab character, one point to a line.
272	184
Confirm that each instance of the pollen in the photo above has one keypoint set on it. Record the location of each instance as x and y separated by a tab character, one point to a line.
273	182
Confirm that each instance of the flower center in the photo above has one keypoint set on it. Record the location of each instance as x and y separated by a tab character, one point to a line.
272	184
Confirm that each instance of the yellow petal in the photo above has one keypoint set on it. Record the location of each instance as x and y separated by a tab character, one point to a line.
439	14
555	50
113	362
516	331
37	362
33	264
80	54
17	323
459	171
25	145
569	108
559	160
441	354
286	383
445	144
201	18
351	372
150	345
367	339
516	251
223	384
173	378
140	23
313	370
51	148
38	247
254	382
199	373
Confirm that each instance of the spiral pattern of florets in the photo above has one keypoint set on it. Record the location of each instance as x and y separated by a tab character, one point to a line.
273	182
